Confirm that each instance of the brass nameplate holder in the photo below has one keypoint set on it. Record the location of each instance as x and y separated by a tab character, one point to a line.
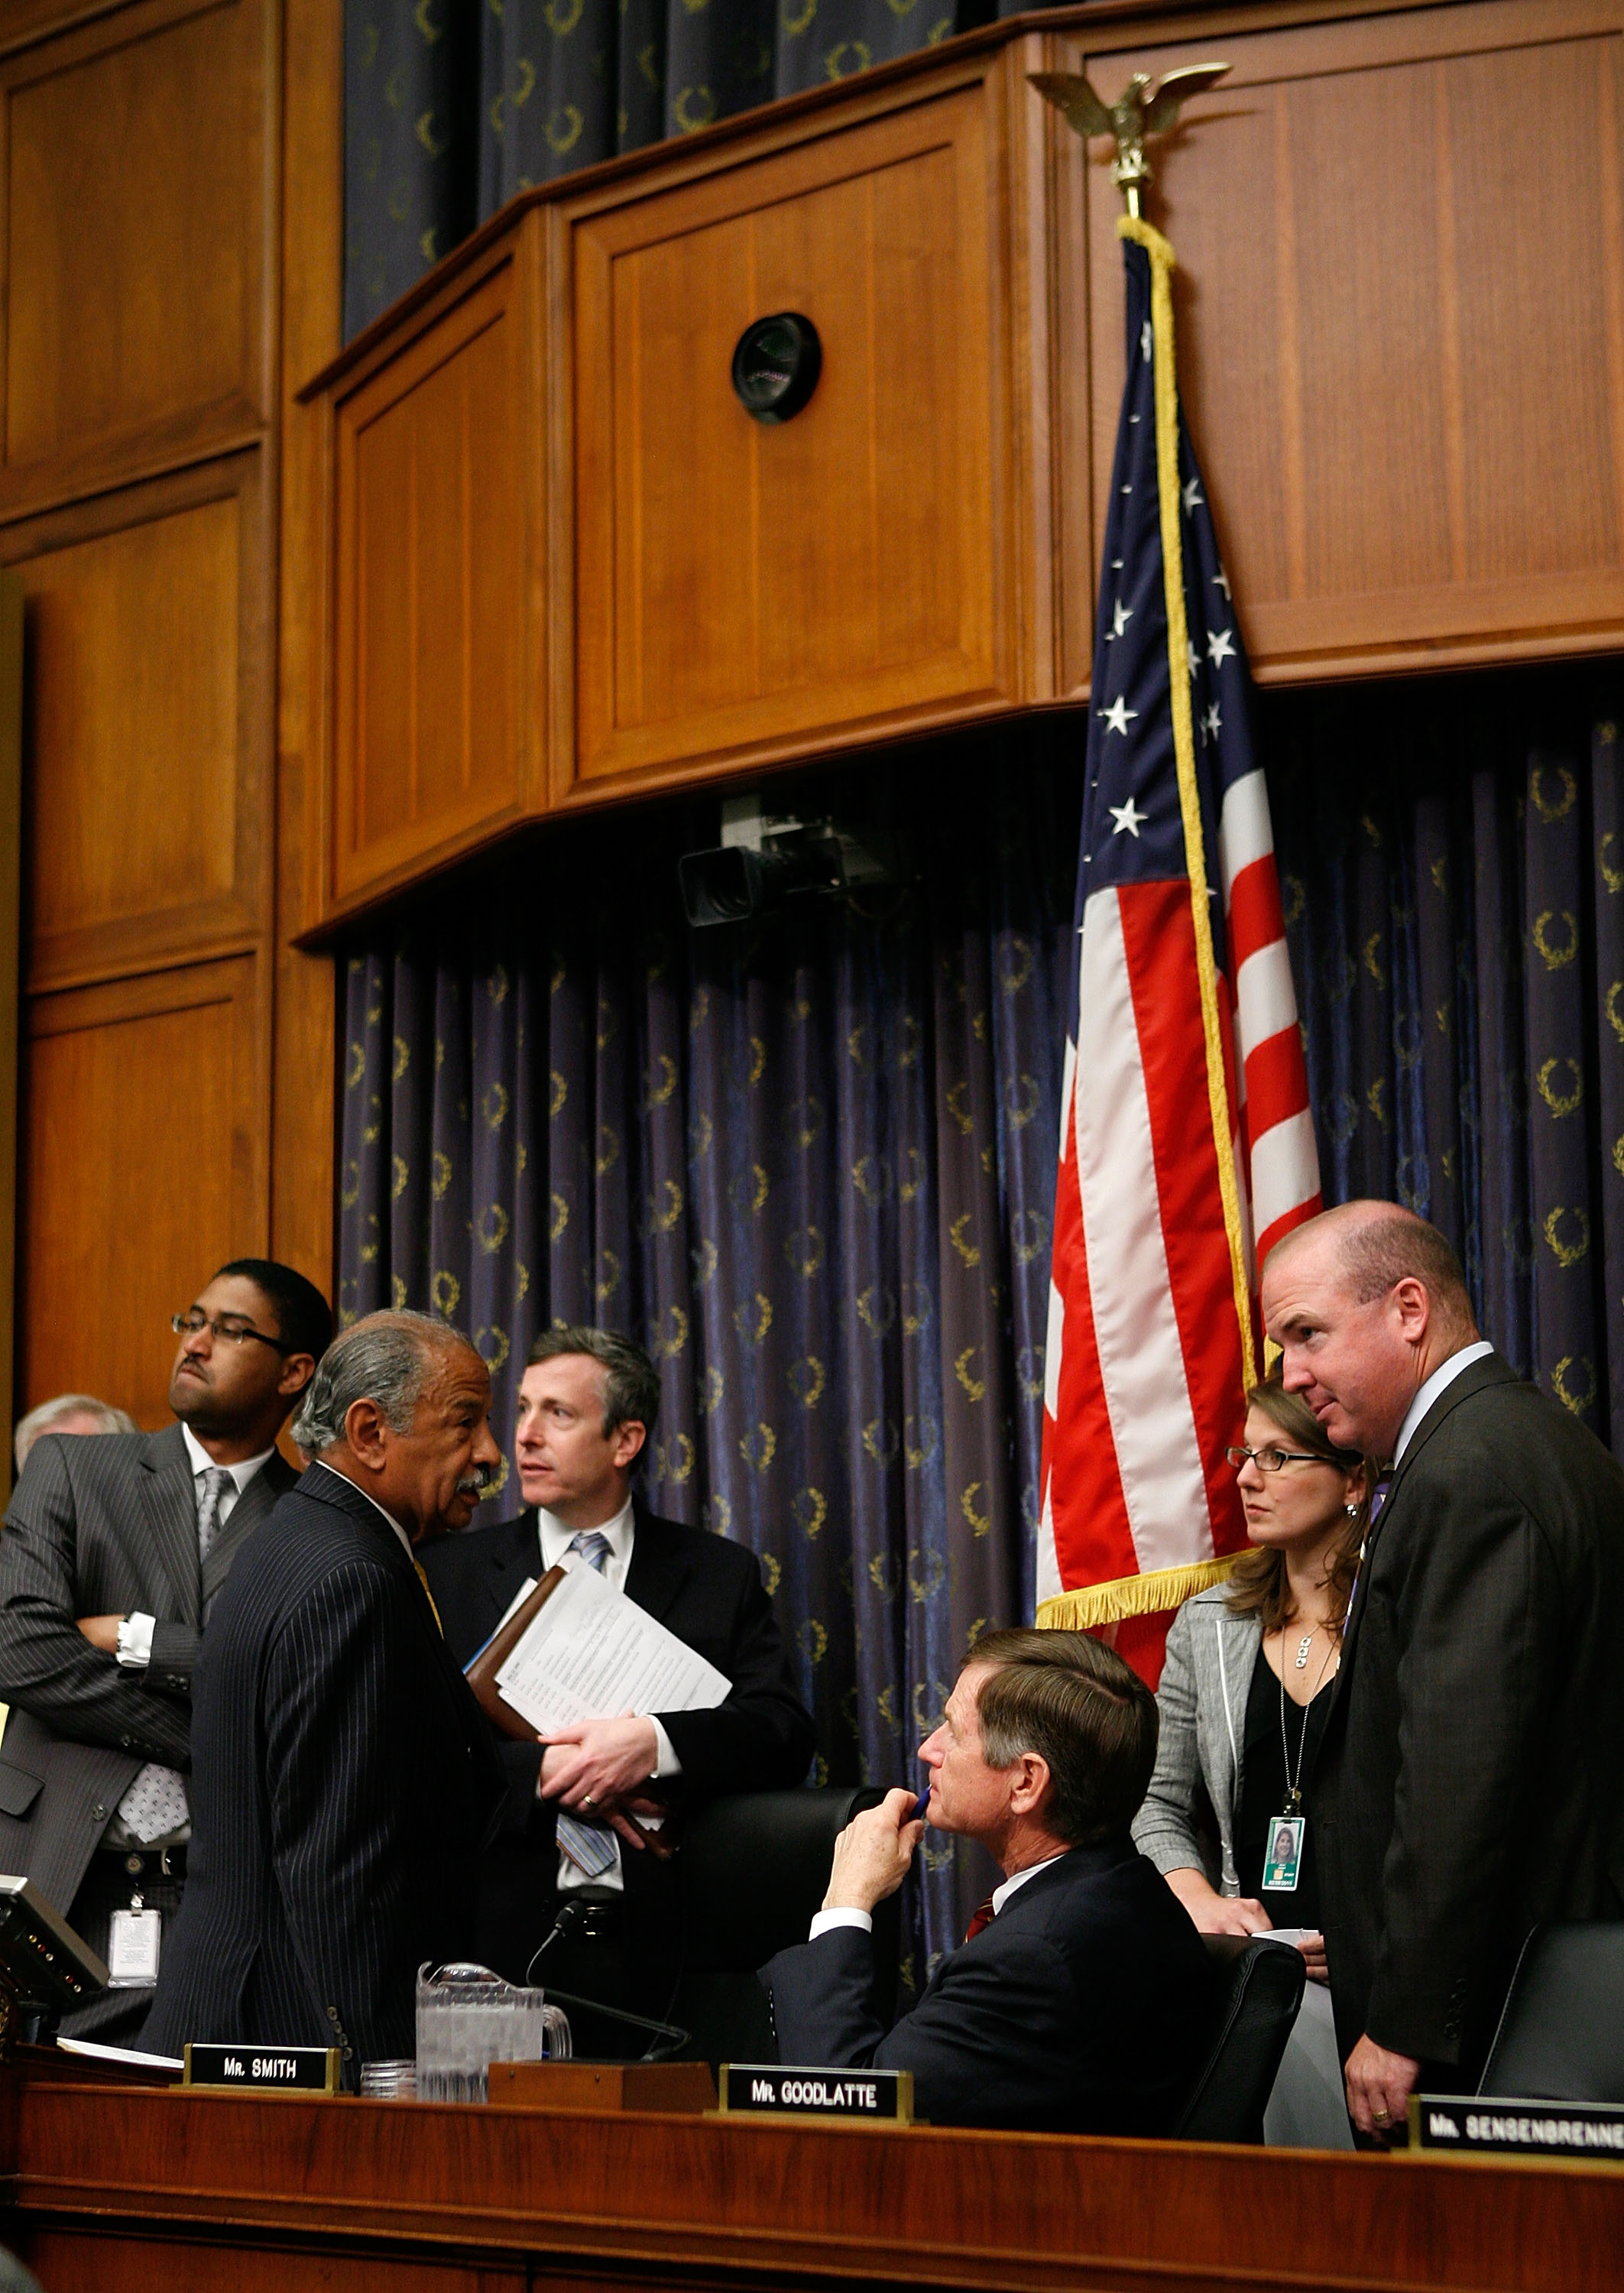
865	2097
262	2069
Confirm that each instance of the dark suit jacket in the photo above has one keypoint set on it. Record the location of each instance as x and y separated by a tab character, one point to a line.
99	1525
707	1591
1467	1786
343	1781
1084	2008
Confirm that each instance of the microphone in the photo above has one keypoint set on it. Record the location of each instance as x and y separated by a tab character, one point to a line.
570	1914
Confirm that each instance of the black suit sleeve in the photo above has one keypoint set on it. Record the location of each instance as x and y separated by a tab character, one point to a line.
338	1815
1478	1628
976	2042
761	1738
47	1666
174	1652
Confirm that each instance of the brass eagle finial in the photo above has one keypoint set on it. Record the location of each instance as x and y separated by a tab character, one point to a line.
1144	108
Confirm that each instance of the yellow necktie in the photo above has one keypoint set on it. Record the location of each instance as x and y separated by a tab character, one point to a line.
428	1596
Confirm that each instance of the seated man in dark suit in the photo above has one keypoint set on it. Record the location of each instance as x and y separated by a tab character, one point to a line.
343	1775
1082	1997
587	1405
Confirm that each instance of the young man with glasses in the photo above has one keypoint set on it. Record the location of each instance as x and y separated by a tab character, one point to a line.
113	1552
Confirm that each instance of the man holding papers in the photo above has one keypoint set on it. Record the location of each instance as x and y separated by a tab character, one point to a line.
581	1803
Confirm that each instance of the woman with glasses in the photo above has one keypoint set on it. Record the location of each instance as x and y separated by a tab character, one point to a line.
1244	1696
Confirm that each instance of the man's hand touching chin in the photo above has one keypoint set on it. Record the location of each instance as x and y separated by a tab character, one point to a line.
872	1854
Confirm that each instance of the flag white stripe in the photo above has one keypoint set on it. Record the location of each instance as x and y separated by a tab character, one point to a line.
1265	1000
1054	1342
1141	1355
1245	833
1284	1170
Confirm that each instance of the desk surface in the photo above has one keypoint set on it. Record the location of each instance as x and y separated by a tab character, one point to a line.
120	2187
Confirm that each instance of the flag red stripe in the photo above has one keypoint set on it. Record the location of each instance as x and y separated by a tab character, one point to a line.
1093	1540
1160	936
1276	1083
1255	917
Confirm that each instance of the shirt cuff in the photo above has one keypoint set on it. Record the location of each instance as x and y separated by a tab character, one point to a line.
826	1921
135	1641
666	1761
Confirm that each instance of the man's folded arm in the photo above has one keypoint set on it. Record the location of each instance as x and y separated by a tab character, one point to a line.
761	1738
47	1666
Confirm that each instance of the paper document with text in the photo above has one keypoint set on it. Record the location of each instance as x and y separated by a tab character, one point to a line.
591	1654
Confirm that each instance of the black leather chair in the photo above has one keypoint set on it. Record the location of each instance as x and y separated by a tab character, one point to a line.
1261	1997
1561	2035
754	1868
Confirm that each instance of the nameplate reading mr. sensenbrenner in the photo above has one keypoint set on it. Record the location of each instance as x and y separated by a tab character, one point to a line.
276	2069
763	2090
1590	2131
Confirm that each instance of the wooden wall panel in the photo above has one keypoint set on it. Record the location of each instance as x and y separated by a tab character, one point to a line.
1405	377
302	1051
147	629
739	584
433	584
141	1169
133	221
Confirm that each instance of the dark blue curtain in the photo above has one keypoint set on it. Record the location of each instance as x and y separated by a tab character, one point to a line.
1453	877
809	1162
452	106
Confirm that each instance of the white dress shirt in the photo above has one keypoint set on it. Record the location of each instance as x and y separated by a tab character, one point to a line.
1438	1383
620	1533
135	1632
850	1917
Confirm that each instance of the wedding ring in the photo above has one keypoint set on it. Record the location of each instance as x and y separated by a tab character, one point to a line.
587	1801
1382	2117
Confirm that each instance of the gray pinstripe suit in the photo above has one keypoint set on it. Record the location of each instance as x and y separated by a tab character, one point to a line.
100	1526
342	1782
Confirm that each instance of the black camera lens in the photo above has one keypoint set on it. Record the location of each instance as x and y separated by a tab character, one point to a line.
776	366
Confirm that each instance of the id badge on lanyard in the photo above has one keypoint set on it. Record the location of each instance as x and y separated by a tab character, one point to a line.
1285	1857
132	1943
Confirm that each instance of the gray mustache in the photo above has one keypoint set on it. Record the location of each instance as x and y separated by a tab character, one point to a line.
476	1481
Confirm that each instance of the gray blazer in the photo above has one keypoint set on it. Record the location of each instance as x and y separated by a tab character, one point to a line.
1202	1701
102	1524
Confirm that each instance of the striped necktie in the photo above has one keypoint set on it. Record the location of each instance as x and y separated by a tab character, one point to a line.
591	1847
982	1918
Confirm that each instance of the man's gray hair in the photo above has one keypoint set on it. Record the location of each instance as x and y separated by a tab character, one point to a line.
387	1358
631	1382
107	1420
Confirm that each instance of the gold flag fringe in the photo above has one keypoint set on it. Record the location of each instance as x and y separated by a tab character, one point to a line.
1093	1605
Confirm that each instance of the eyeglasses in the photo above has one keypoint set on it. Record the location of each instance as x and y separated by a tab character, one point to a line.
232	1333
1270	1460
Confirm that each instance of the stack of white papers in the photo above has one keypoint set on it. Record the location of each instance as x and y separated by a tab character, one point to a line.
591	1654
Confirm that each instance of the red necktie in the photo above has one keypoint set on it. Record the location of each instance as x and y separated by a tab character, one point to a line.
983	1919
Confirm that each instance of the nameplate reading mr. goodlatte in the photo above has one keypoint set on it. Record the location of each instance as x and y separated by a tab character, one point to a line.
882	2097
279	2070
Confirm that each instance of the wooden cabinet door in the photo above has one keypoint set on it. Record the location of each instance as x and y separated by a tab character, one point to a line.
433	583
1400	299
742	590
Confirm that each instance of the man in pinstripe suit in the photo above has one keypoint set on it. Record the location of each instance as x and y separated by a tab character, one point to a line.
114	1550
343	1775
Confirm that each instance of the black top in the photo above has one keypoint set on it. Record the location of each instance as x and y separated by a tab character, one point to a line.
1262	1793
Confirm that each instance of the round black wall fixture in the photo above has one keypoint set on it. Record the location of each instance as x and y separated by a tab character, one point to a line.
776	366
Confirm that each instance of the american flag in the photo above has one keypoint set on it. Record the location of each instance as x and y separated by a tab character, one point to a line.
1172	1154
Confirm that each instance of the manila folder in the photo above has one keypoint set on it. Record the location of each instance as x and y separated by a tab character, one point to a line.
482	1672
